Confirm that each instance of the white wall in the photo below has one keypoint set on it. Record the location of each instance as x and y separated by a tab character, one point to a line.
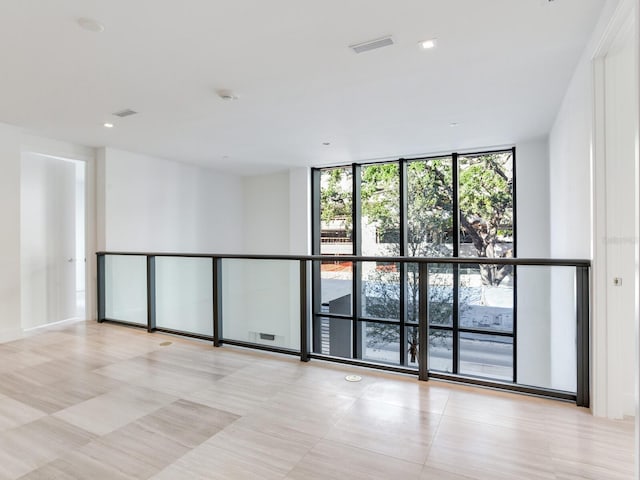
570	212
149	204
10	238
266	213
620	127
276	221
300	211
580	213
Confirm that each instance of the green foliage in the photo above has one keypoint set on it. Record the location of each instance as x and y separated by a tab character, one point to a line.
486	193
429	205
335	196
380	193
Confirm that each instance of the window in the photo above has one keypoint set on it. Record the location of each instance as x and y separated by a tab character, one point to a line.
447	207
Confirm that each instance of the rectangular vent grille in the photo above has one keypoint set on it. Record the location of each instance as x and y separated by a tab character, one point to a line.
372	44
127	112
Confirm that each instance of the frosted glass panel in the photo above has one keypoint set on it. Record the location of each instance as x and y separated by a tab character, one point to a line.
261	302
547	327
126	288
184	294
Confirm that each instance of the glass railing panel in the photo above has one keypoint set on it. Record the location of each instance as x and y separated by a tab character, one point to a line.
381	342
335	336
440	350
261	302
440	295
489	356
546	337
125	288
486	297
336	287
184	294
380	297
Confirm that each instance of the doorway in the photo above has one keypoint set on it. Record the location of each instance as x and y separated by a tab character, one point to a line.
52	240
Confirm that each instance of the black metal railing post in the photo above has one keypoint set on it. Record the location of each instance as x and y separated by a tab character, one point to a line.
100	272
217	301
582	337
151	293
423	322
304	310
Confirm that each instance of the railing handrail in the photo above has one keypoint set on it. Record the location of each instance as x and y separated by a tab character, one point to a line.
551	262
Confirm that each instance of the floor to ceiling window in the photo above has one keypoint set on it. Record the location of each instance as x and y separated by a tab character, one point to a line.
447	206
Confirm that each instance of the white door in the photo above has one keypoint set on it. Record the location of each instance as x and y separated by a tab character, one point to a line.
48	240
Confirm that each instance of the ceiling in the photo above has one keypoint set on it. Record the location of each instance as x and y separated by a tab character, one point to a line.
499	71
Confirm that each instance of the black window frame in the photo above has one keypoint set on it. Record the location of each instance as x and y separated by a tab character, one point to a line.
356	318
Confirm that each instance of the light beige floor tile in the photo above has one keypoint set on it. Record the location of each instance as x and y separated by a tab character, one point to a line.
186	422
330	460
430	473
75	466
14	413
135	451
110	411
220	460
190	411
29	446
57	396
399	432
409	393
234	396
314	415
486	451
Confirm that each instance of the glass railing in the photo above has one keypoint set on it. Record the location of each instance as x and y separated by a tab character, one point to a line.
515	324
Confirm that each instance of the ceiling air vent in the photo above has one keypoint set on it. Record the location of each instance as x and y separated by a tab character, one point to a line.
372	44
127	112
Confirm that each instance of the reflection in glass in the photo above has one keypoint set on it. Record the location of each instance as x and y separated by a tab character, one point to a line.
486	356
380	290
335	337
413	344
336	284
381	342
440	350
485	306
380	194
440	294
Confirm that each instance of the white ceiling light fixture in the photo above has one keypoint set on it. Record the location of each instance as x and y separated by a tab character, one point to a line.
372	44
428	44
90	25
108	125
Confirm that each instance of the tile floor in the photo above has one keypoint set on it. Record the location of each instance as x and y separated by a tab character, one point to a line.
102	401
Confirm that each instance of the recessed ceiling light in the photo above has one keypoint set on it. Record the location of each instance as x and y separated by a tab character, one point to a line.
428	44
108	125
91	25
